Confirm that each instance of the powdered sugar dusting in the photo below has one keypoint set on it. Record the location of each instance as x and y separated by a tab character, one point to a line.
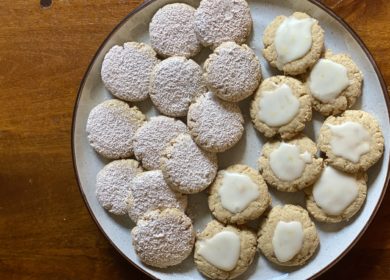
175	82
113	184
216	125
152	138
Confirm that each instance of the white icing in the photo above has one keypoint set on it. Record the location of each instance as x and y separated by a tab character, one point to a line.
279	106
327	80
293	39
335	191
237	191
287	240
287	163
349	140
222	250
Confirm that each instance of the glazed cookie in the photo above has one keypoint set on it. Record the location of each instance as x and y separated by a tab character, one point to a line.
352	141
172	31
126	70
293	44
113	184
290	165
216	125
282	105
335	82
163	238
151	139
224	252
238	195
232	72
111	126
149	191
175	82
288	237
336	196
218	21
186	167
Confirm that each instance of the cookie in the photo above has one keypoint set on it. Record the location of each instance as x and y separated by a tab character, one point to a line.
151	139
288	237
186	167
293	44
215	125
232	72
149	191
218	21
111	126
352	142
113	184
224	252
290	165
238	195
335	82
175	82
163	238
172	31
282	105
126	70
336	196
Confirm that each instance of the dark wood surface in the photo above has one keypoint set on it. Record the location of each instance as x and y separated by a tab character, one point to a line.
46	231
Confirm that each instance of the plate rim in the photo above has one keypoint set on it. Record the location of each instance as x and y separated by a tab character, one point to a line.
146	3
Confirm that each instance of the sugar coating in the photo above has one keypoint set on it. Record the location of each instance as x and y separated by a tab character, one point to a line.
113	184
149	191
247	251
288	213
218	21
111	126
126	70
175	82
152	138
186	167
298	66
232	72
163	238
215	125
172	31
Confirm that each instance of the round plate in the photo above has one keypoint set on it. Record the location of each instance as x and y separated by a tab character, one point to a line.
336	240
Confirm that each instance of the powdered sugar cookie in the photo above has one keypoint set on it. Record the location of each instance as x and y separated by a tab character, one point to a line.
111	126
126	70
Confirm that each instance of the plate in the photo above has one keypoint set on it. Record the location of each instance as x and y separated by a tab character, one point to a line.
336	240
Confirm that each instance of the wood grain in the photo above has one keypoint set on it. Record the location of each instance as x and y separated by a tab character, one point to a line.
45	229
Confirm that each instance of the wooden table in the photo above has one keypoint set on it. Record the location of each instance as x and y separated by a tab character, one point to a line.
46	231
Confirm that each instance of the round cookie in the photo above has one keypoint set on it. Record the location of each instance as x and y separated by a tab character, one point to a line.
295	161
218	21
111	126
186	167
246	250
287	214
215	125
126	70
232	184
163	238
151	139
172	31
282	105
347	97
175	82
361	149
149	191
113	184
232	72
301	64
351	207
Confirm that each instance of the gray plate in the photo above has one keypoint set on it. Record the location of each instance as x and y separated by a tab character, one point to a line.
336	240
